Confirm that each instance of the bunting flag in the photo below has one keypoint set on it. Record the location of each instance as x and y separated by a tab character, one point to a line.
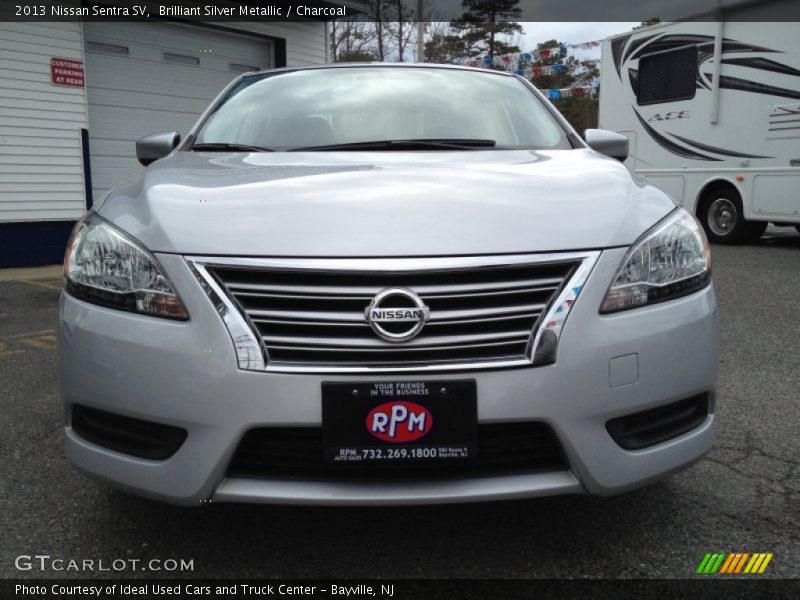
514	60
528	71
521	64
585	45
579	90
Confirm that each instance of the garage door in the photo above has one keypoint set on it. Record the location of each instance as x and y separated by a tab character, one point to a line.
147	77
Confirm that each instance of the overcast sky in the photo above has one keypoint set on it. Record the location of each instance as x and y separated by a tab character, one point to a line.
571	33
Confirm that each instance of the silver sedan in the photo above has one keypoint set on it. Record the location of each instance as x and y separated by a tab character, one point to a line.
372	284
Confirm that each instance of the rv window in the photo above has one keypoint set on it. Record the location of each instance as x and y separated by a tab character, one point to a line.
667	76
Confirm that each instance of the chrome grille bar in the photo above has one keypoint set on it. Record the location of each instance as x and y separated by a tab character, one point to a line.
369	291
358	317
372	342
307	315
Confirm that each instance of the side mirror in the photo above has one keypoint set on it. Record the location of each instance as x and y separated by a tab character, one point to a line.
606	142
156	145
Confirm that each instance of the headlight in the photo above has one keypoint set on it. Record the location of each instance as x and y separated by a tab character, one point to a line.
104	266
670	260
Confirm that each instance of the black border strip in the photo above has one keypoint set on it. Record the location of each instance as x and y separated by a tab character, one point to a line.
87	168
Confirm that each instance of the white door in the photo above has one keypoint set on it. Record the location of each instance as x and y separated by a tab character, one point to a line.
147	77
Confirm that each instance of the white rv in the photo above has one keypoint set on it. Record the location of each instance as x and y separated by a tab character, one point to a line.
712	112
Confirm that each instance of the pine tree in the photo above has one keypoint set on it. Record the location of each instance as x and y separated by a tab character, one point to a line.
553	79
486	23
445	49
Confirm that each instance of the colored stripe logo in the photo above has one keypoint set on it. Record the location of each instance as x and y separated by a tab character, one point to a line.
734	563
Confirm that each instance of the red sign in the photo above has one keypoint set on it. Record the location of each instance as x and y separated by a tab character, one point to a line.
397	421
66	71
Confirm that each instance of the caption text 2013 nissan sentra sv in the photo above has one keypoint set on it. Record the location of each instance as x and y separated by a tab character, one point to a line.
373	284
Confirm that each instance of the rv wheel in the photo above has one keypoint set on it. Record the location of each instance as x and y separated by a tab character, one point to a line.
720	212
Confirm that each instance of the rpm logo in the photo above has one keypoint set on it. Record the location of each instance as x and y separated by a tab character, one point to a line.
399	421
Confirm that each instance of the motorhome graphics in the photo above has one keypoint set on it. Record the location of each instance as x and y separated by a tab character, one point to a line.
711	107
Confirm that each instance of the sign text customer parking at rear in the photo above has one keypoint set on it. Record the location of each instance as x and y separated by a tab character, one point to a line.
66	71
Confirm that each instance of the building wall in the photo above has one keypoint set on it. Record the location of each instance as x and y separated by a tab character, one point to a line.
41	164
42	181
305	41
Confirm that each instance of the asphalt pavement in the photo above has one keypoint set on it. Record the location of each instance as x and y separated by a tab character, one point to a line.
744	496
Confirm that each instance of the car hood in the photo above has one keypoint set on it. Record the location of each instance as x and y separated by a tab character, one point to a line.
384	203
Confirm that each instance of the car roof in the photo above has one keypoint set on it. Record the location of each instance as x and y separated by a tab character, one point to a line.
384	65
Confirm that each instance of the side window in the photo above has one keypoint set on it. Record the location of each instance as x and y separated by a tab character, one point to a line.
667	76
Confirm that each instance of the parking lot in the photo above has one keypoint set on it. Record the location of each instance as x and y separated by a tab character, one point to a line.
744	496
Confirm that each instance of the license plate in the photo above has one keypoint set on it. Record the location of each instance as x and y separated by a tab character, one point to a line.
399	421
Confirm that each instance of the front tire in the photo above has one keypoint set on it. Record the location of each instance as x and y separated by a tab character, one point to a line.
720	212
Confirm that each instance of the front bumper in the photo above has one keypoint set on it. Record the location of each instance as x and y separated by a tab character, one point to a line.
185	374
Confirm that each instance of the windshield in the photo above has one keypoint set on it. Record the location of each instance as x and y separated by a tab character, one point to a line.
319	108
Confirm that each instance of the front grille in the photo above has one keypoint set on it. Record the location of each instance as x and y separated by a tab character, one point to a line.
311	317
297	453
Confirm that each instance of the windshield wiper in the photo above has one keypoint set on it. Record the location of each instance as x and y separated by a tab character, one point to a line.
226	147
426	144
